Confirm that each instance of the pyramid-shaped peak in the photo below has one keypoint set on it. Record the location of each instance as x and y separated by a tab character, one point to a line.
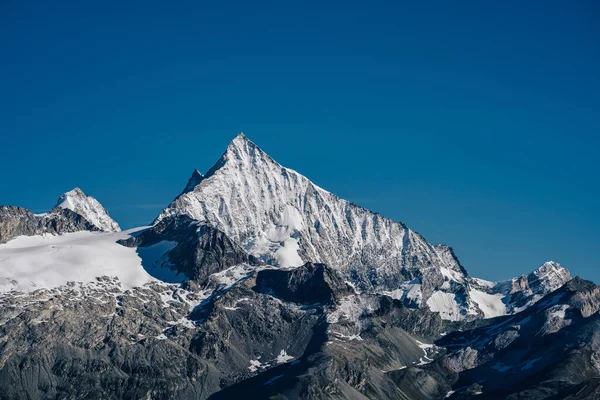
89	208
240	137
66	199
550	275
241	144
241	151
551	266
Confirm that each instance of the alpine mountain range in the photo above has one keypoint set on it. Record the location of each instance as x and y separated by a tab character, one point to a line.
256	283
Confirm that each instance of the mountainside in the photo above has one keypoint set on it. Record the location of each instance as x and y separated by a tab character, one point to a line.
284	219
255	283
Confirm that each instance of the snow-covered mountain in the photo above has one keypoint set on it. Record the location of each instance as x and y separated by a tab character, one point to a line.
73	212
285	220
89	208
256	283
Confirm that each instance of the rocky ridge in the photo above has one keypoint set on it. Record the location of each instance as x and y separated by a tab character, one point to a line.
73	212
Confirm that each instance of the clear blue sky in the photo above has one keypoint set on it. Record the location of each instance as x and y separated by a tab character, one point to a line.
475	122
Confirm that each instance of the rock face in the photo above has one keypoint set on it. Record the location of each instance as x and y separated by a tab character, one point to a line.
140	344
200	249
74	212
17	221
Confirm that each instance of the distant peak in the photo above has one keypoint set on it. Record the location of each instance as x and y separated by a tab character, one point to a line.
89	208
64	199
550	266
550	275
194	180
74	192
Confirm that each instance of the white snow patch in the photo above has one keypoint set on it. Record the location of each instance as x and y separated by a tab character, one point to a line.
348	337
255	365
287	254
231	275
445	304
28	263
490	304
283	357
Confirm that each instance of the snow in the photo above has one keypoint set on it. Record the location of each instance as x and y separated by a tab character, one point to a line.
283	357
425	347
490	304
255	365
550	276
351	308
231	275
347	337
558	311
287	255
283	218
555	319
157	264
28	263
89	208
445	304
484	283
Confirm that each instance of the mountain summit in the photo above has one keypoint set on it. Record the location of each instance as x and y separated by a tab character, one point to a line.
89	208
285	220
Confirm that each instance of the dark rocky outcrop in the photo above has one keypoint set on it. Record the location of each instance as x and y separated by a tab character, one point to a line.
17	221
308	284
201	249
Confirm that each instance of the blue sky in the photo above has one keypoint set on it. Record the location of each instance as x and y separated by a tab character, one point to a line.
477	124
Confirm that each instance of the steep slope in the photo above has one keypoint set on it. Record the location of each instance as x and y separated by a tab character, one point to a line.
282	218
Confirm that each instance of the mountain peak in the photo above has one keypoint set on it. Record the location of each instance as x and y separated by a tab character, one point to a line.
193	181
549	276
242	153
89	208
241	144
